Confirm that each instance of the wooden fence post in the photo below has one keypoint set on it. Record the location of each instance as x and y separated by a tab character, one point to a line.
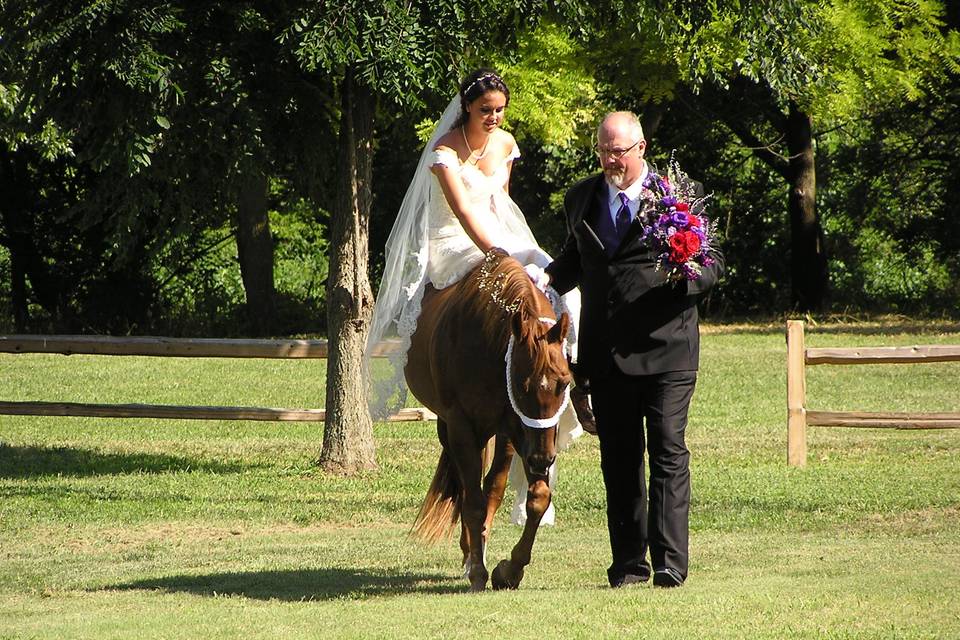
796	395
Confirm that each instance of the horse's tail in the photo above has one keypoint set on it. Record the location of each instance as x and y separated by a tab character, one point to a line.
440	510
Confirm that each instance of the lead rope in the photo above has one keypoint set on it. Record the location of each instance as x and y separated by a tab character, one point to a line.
534	423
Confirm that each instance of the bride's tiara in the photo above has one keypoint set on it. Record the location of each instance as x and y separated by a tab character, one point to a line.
486	76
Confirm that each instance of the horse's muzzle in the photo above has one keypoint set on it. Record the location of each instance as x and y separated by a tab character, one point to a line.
539	463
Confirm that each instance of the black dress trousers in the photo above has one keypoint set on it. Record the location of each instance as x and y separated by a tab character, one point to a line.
638	414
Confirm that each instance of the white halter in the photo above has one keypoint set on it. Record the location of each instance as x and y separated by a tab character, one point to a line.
534	423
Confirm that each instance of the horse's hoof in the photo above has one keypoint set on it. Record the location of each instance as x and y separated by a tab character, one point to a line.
504	578
478	585
478	578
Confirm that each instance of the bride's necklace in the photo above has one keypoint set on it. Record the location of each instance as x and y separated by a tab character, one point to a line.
474	155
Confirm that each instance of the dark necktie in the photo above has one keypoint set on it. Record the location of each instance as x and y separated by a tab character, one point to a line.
623	215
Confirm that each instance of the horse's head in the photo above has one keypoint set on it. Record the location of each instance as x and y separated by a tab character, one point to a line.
538	381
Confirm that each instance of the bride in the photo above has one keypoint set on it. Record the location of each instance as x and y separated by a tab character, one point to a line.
457	208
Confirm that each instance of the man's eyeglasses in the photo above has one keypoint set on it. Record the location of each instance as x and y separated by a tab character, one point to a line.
616	154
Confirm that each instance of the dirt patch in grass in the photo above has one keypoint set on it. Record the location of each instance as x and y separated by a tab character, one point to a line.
915	522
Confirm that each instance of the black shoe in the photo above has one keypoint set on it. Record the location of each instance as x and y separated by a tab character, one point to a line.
626	580
667	578
581	405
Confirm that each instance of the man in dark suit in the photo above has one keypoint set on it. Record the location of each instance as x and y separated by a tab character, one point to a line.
639	343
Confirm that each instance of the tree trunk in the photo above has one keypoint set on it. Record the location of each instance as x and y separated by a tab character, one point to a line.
348	432
255	252
18	293
808	263
651	119
26	261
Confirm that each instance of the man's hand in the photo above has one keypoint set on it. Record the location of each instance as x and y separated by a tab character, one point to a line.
539	277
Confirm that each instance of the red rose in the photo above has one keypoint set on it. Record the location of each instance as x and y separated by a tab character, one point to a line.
694	221
682	206
678	248
683	244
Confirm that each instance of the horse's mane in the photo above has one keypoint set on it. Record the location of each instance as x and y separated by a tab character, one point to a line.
498	290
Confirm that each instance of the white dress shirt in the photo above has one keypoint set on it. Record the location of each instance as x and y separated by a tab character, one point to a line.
633	196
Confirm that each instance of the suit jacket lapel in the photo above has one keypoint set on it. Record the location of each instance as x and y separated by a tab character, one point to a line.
584	223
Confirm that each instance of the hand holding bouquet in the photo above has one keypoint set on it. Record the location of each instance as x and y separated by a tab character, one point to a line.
680	238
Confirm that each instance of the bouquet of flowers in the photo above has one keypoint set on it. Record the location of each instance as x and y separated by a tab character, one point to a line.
680	237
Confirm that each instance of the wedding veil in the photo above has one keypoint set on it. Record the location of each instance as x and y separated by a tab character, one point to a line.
401	288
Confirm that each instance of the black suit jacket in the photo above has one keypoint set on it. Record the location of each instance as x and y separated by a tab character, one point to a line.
630	317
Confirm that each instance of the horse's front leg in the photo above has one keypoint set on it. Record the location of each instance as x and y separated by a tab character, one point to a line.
509	573
495	483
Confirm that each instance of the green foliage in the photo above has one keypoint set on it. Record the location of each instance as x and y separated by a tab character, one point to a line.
204	294
127	130
554	96
891	183
201	289
400	49
836	59
904	277
746	203
301	269
148	119
881	52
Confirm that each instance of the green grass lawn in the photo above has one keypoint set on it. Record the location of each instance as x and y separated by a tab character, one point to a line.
193	529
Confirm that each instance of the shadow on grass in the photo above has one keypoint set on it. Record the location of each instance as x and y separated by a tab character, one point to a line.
30	462
303	584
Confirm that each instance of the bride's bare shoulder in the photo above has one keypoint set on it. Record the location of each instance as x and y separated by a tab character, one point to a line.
506	138
506	141
447	141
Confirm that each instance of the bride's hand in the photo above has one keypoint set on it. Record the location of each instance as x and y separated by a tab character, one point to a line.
539	277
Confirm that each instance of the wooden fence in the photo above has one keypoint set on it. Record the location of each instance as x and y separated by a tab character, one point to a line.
798	416
182	348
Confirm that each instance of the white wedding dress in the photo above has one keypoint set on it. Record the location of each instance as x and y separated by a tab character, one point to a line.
429	245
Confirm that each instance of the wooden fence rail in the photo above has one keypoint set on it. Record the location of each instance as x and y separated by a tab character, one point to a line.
799	417
183	348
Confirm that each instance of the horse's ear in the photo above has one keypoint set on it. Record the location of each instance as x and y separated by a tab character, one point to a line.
558	332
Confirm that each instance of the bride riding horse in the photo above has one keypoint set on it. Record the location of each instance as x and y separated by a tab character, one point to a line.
488	357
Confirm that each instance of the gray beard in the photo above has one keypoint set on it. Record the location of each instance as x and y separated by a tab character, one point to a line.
615	180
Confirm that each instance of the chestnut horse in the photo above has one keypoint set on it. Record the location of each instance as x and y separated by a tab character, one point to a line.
488	358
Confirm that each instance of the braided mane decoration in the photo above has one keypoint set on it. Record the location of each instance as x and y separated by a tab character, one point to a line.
491	278
505	290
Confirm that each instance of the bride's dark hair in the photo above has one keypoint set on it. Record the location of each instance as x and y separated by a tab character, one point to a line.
475	85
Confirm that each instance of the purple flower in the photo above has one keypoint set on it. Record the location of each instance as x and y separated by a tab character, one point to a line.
670	218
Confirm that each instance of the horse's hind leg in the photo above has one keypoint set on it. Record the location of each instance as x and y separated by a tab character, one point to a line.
509	573
488	453
466	456
494	487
